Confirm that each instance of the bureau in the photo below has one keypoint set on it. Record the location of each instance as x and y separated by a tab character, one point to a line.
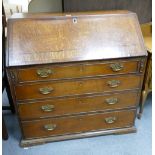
75	75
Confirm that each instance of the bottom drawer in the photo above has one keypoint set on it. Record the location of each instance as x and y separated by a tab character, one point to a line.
78	124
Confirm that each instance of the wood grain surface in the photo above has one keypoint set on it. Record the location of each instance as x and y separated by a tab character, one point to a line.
76	87
39	141
77	70
77	105
73	38
78	124
75	74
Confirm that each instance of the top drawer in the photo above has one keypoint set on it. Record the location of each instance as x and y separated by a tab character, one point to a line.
64	71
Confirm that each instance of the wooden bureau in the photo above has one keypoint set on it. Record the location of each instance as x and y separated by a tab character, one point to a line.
75	75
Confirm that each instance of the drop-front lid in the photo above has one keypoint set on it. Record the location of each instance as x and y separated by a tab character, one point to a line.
53	38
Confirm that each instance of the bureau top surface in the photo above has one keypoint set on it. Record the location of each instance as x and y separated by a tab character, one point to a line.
54	38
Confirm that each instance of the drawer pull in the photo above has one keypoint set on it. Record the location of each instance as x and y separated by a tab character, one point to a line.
113	83
110	120
45	90
47	108
49	127
111	101
116	67
44	72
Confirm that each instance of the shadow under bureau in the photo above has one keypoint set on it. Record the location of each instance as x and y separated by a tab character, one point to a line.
75	75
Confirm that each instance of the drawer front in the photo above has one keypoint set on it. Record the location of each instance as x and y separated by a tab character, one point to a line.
58	107
78	124
77	70
84	86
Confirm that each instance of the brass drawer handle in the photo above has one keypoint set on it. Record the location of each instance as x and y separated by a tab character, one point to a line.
50	127
46	90
44	72
47	108
111	101
116	67
113	83
110	120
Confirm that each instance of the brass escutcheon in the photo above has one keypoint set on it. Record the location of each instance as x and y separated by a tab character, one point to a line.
49	127
47	108
110	120
44	72
45	90
116	67
113	83
111	101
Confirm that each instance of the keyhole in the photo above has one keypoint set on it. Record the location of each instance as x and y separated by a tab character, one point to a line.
74	20
81	84
80	101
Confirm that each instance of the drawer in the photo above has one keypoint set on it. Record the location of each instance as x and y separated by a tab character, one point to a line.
77	70
68	106
78	124
76	87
